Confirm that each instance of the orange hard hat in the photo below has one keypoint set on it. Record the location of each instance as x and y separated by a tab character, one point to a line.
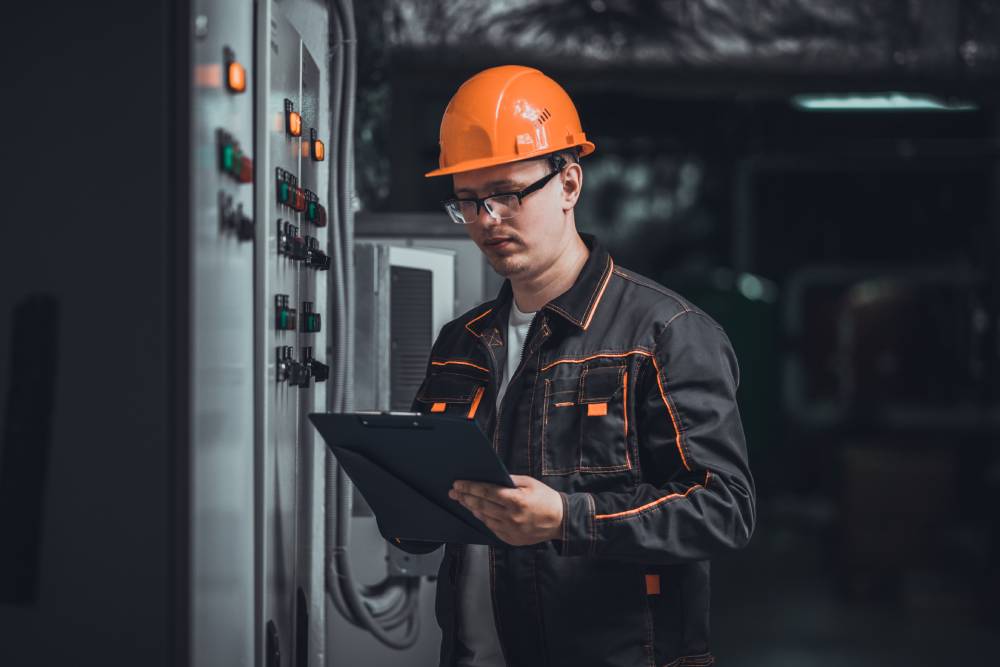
505	114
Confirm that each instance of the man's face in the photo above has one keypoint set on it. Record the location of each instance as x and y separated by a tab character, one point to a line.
528	243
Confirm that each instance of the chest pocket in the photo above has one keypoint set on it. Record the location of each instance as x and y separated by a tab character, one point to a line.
450	393
585	423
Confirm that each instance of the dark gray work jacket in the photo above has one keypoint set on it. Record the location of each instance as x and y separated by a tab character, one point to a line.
625	403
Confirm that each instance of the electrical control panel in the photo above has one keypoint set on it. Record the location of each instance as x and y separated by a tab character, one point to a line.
291	264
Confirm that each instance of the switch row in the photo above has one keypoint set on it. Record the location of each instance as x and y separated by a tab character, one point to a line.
233	219
232	161
293	128
300	248
286	317
298	373
301	200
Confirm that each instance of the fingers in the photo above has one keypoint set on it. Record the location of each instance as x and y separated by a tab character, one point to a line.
500	495
479	506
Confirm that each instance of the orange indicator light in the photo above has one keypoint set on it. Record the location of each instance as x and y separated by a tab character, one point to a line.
236	77
294	123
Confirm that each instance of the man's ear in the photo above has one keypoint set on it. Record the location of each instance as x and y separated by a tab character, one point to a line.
572	184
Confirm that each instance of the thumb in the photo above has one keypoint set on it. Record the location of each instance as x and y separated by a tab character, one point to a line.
522	481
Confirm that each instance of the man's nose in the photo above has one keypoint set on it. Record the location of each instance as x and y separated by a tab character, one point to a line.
485	219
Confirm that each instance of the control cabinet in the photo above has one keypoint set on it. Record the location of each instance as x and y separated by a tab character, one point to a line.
290	296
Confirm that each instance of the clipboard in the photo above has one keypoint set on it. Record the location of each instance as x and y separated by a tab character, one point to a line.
404	464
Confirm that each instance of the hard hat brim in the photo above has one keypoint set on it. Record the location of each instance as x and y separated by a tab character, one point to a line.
586	148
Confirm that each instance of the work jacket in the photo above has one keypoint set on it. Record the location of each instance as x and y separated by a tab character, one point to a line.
625	402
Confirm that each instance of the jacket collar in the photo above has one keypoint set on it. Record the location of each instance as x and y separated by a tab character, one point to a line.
576	305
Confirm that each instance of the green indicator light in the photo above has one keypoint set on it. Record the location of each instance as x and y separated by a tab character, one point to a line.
311	212
227	157
283	192
283	320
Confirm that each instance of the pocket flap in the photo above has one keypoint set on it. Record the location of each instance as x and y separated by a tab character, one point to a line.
600	384
450	388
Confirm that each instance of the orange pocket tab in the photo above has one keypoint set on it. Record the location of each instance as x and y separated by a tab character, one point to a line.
439	407
597	409
652	584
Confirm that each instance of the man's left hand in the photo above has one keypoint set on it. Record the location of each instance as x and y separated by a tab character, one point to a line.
530	513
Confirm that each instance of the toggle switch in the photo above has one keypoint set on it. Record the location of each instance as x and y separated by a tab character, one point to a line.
316	258
290	244
287	369
298	247
233	219
293	120
284	316
309	368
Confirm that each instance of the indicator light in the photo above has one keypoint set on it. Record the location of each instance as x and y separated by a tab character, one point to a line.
244	174
236	74
228	155
293	120
236	77
311	206
311	321
316	146
284	317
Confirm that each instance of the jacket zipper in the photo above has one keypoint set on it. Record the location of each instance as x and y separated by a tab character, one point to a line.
496	438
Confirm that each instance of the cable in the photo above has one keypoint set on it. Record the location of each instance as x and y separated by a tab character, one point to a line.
394	601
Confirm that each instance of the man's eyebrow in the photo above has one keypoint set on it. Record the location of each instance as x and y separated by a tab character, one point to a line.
494	186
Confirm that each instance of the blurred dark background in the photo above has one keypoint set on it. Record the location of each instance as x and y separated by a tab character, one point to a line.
850	254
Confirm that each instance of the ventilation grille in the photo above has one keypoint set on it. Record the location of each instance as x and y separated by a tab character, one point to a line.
409	333
544	117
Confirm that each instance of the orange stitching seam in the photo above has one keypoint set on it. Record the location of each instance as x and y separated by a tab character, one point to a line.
461	363
656	502
476	319
570	360
673	420
475	402
625	412
607	279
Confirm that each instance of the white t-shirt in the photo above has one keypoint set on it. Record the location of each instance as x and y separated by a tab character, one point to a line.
476	628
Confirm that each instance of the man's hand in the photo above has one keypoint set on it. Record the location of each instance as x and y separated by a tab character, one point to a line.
528	514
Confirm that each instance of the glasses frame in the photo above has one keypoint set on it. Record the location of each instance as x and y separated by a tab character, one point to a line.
557	162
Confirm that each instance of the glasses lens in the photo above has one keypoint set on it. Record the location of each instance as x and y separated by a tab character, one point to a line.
503	207
461	212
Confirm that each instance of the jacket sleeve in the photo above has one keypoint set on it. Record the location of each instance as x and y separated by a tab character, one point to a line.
416	546
696	497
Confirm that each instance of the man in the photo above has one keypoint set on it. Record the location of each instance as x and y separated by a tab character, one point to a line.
610	399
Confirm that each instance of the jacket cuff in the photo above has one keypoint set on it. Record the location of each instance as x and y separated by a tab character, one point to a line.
578	525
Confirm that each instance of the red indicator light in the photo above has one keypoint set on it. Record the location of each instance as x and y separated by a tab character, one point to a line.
245	173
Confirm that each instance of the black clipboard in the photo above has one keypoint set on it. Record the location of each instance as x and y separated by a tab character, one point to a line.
404	464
